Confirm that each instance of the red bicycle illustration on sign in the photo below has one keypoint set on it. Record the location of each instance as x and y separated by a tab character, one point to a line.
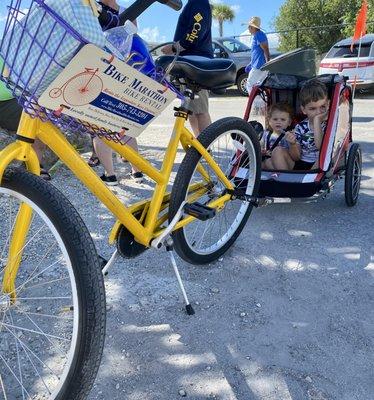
81	89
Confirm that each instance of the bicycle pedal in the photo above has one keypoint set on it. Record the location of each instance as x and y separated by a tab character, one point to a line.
199	211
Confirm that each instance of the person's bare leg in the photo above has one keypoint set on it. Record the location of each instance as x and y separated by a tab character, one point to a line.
105	156
132	142
267	164
194	124
203	120
39	148
199	122
281	159
315	165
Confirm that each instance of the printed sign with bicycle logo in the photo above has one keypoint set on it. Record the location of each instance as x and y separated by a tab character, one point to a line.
97	88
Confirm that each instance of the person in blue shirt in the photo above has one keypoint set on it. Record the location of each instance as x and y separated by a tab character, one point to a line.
259	53
193	37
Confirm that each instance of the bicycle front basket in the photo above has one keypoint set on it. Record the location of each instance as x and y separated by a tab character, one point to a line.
40	41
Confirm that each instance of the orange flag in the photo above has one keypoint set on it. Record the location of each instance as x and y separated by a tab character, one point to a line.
360	28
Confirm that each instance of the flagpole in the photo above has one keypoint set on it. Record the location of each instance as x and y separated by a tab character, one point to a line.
360	30
358	60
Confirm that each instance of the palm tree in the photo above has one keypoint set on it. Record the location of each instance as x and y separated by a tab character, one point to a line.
221	13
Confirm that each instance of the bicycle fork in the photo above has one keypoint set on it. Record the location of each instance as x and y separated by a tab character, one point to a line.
20	150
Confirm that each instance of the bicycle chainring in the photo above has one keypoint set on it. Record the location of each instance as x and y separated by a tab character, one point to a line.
127	246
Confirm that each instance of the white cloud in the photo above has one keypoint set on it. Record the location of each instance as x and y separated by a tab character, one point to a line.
152	35
235	7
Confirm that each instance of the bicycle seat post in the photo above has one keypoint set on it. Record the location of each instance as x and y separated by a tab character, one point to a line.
170	249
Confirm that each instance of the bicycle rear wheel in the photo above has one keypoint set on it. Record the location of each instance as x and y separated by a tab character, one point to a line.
234	146
52	332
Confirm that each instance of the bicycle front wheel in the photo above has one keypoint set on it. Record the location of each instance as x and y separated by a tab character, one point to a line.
52	323
234	146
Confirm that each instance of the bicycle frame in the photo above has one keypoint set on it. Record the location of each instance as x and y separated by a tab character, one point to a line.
145	229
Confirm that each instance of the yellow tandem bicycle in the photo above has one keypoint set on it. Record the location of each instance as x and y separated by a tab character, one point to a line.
52	298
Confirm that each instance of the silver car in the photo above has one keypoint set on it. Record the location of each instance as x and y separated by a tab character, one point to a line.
342	61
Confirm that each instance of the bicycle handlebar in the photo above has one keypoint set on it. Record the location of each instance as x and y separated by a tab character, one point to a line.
174	4
139	6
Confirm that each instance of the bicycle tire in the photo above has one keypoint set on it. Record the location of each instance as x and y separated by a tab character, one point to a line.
76	269
230	126
353	175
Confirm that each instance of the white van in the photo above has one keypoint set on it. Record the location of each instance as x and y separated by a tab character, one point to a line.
342	61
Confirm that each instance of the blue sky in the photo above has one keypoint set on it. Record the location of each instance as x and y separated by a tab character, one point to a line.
157	24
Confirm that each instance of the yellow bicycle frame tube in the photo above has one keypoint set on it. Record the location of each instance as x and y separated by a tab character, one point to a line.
144	231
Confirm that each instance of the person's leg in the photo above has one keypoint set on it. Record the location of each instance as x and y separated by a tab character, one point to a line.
10	114
94	159
132	142
267	164
281	159
105	156
194	124
203	121
255	76
199	122
200	117
39	148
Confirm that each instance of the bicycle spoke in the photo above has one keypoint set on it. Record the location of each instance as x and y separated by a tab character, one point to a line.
40	330
18	358
20	328
25	246
3	388
23	344
46	283
14	375
35	276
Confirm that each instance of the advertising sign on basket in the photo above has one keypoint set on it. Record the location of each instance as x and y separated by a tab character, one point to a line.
97	88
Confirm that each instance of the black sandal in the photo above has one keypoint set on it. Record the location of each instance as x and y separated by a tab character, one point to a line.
44	174
93	161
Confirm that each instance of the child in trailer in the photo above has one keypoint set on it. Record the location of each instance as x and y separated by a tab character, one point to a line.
309	133
279	146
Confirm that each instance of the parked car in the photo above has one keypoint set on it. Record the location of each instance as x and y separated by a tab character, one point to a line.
342	61
240	53
227	47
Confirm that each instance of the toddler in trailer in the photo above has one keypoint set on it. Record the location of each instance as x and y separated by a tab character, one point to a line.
279	146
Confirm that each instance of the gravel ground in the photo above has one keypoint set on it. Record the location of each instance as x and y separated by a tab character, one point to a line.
286	314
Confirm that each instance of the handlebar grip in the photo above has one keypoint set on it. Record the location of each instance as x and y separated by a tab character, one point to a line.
174	4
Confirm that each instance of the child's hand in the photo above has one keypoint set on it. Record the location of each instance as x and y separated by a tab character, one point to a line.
290	137
319	118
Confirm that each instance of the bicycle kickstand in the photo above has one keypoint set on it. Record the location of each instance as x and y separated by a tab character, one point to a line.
170	249
105	265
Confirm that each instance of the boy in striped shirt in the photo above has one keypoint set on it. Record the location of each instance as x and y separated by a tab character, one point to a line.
309	133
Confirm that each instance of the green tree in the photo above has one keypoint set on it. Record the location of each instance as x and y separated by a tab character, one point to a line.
327	13
222	13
